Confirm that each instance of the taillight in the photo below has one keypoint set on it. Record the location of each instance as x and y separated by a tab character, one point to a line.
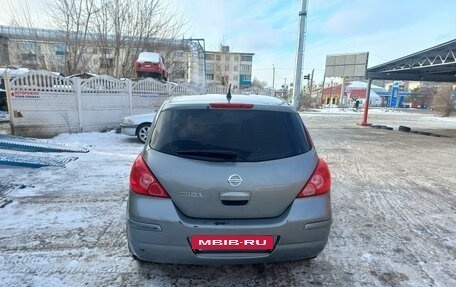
319	183
231	106
139	65
142	181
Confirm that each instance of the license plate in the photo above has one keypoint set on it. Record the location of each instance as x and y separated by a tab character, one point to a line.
232	242
148	66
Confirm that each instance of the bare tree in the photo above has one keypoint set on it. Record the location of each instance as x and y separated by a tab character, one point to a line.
20	13
259	84
415	93
127	28
443	101
31	54
74	17
103	28
177	61
105	36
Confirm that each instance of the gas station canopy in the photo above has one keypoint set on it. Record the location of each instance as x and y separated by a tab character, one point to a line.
436	64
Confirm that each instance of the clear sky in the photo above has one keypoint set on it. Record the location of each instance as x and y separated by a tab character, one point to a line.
387	29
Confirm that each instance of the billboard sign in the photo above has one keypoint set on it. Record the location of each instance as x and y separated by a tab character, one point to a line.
346	65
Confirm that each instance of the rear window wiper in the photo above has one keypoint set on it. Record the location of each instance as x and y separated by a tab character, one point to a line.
218	154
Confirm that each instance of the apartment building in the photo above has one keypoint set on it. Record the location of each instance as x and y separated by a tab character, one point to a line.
49	49
224	67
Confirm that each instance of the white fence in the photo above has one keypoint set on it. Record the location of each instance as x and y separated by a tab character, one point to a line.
44	104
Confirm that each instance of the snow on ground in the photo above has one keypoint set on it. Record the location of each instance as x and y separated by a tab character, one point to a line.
393	201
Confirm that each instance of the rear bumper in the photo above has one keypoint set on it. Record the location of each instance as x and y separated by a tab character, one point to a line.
157	232
153	69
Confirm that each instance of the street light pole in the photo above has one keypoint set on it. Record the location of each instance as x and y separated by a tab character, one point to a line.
299	56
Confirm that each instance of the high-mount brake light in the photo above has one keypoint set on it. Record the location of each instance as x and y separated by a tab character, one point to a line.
142	180
230	106
319	183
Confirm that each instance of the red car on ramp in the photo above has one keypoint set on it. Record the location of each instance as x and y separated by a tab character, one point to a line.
150	64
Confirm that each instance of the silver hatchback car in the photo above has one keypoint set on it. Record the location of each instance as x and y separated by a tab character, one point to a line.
228	182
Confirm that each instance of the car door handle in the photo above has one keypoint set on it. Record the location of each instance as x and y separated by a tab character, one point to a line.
235	198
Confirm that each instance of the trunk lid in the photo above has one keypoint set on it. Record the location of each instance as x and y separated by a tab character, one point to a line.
224	190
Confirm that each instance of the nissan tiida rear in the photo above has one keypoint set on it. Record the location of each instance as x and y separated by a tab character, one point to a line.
226	180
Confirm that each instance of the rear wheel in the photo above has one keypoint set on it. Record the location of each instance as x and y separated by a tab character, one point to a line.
142	131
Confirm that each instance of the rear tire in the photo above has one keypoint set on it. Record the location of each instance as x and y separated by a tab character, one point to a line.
142	132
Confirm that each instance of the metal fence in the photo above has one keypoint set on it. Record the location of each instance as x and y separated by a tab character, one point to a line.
43	104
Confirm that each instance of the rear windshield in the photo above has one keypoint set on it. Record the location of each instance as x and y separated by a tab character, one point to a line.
229	135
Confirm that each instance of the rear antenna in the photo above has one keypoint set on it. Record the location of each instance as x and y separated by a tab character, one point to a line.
228	96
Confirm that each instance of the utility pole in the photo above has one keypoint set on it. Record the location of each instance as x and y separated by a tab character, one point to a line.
299	56
311	83
273	80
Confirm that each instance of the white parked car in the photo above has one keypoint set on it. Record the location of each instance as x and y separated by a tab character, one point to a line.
137	125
